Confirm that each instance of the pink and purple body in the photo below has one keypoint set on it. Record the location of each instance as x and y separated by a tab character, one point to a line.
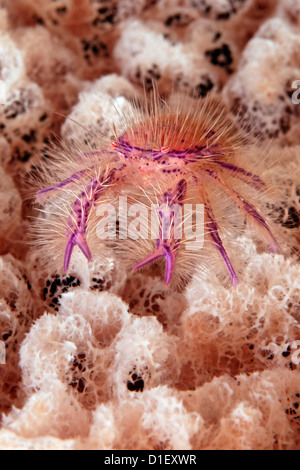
175	156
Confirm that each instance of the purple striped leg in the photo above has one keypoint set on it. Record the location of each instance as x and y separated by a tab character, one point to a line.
167	244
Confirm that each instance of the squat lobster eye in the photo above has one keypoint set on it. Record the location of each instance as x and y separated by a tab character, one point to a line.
164	156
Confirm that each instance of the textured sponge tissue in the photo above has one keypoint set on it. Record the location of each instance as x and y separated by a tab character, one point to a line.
103	358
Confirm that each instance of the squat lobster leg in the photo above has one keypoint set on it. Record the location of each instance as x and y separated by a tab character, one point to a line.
77	223
75	177
167	244
237	172
214	234
248	209
62	184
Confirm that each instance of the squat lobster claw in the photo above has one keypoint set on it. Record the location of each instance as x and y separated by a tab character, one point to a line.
79	240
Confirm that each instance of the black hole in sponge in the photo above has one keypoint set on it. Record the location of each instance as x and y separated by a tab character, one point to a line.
136	386
293	220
